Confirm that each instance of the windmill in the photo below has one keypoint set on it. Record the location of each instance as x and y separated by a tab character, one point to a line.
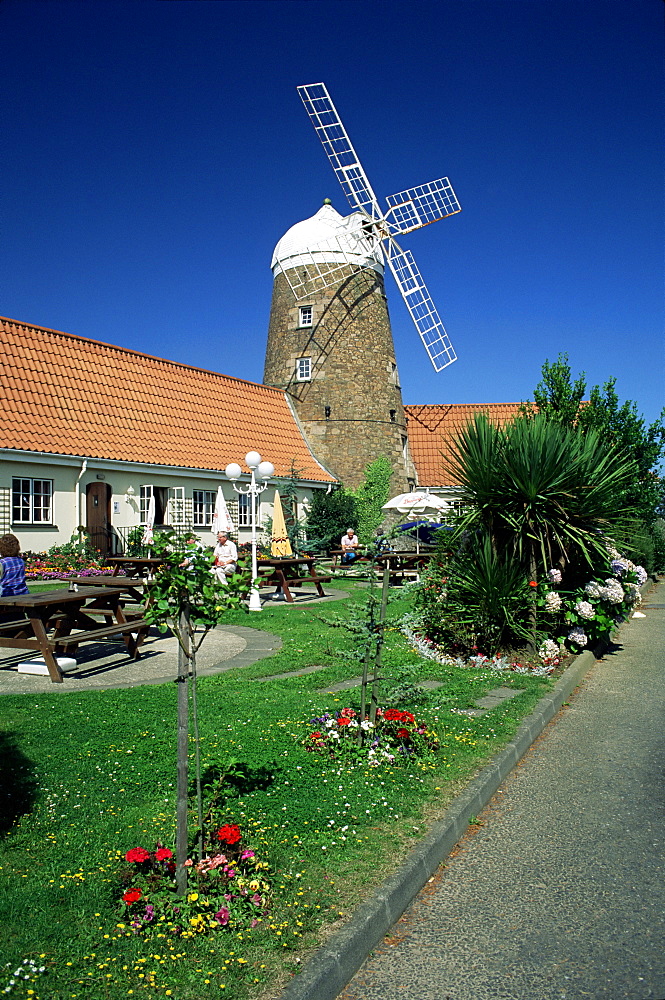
371	233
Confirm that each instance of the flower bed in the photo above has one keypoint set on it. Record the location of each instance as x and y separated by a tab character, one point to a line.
227	889
395	737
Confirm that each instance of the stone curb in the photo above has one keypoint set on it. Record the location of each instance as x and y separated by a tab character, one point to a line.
333	966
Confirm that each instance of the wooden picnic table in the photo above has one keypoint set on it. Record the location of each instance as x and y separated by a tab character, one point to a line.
134	565
45	623
403	564
338	553
286	573
132	586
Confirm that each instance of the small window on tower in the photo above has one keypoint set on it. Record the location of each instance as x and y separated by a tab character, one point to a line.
306	316
304	369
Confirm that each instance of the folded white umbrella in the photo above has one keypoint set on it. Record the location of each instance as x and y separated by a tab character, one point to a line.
221	519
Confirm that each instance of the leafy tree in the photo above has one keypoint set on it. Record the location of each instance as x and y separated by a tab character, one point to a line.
560	399
330	514
187	598
370	497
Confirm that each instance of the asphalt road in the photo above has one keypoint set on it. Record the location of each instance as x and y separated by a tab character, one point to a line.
560	893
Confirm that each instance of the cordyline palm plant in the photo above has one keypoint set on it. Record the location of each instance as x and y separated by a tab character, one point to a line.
537	495
545	493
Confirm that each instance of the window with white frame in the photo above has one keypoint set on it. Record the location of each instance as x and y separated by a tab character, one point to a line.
244	511
304	369
305	316
176	505
203	508
32	501
146	492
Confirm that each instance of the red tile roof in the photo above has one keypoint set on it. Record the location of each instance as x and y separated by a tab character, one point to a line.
67	395
433	428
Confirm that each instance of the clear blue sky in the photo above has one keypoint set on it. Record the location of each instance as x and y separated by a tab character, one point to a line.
154	153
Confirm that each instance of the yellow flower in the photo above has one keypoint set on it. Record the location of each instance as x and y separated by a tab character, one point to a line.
192	897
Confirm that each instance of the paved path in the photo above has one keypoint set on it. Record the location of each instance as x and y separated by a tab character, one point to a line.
560	894
102	665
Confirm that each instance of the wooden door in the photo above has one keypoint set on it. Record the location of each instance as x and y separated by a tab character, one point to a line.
98	515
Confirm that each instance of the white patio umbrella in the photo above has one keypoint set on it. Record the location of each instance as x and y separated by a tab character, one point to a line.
418	502
147	536
221	519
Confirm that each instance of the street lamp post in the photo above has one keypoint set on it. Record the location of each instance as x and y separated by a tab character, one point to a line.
264	470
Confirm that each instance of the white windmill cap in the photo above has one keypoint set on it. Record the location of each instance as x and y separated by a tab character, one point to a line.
312	236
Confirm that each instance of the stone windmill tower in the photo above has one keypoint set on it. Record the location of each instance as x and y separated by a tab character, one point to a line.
330	345
332	351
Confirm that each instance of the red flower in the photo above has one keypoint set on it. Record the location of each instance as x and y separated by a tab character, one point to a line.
229	834
403	734
315	736
131	896
137	854
343	722
163	854
407	717
532	583
392	715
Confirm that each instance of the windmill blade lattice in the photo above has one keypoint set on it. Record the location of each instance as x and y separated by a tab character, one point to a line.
420	305
324	264
338	146
417	207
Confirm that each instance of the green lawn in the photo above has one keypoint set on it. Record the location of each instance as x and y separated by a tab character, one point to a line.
86	777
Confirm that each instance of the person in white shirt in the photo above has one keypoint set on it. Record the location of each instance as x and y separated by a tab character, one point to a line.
349	543
226	557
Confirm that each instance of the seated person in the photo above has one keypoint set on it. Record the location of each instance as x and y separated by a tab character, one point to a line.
349	543
12	568
226	557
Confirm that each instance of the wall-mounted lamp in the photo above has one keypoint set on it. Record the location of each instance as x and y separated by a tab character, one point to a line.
129	494
393	414
327	412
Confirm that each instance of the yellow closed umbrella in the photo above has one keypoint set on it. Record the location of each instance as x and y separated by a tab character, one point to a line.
280	545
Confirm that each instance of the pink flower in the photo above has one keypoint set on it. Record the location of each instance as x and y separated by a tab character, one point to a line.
222	916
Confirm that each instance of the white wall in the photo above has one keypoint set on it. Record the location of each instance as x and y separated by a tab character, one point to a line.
67	480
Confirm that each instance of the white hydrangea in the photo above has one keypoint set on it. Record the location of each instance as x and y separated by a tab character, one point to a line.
642	575
585	610
554	575
592	589
552	601
548	650
578	636
612	591
620	566
633	594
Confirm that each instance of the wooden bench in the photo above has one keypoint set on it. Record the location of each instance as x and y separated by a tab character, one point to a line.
59	619
138	625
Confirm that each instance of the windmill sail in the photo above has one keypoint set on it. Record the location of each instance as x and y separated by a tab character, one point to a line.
423	311
324	264
338	147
